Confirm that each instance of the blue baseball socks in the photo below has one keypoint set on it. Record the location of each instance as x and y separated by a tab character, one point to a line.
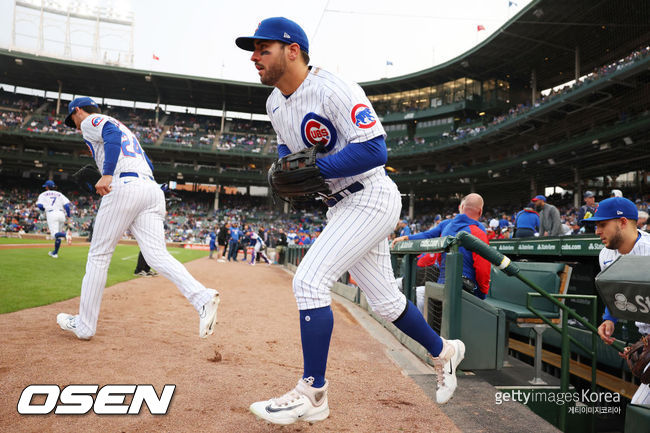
413	324
315	332
57	241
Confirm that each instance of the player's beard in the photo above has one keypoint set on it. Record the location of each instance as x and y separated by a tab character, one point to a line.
616	241
273	73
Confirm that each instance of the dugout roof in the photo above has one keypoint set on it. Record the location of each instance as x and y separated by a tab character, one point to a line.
543	37
87	79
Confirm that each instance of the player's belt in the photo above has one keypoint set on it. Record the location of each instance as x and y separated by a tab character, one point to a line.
331	200
134	174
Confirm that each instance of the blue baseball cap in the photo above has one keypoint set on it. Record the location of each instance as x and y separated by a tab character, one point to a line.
83	101
49	184
615	207
539	197
275	29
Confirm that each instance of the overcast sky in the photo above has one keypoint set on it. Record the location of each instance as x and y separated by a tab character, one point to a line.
197	37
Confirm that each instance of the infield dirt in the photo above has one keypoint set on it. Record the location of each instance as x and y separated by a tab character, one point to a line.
148	334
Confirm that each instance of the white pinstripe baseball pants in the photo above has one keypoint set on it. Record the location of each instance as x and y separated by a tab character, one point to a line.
55	222
355	239
138	205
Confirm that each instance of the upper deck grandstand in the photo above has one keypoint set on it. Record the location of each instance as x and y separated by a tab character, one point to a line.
478	122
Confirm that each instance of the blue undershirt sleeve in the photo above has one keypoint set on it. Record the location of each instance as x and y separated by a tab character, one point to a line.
431	233
67	209
283	150
41	207
355	158
112	137
608	316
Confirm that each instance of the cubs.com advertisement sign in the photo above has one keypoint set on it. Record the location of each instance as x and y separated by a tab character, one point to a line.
625	288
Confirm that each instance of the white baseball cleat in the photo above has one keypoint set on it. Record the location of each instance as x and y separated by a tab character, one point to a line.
68	322
208	317
453	352
51	254
303	403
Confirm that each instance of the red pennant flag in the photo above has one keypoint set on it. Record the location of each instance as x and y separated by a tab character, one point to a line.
480	27
155	57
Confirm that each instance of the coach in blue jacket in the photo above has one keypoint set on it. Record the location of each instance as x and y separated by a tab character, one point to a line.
526	222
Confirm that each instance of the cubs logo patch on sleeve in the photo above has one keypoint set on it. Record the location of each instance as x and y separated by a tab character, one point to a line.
96	121
317	130
362	116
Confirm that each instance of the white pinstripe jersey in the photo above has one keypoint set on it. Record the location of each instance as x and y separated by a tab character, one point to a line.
641	248
52	201
131	158
328	110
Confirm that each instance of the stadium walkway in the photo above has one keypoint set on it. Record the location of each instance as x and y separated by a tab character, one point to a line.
147	334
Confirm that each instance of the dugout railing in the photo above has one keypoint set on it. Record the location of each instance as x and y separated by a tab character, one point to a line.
453	293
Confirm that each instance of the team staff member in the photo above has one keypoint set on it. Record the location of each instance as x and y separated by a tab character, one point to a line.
586	211
213	242
476	269
233	242
615	221
550	223
132	200
310	106
526	222
57	208
404	229
222	239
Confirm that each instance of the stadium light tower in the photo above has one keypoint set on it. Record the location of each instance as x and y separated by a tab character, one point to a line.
48	27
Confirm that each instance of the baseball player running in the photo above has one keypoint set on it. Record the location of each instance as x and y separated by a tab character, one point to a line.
310	106
258	244
132	200
57	208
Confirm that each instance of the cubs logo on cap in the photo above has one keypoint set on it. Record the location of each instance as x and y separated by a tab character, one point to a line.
362	116
316	129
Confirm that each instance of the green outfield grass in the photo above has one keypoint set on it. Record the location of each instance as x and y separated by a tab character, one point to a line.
30	278
26	241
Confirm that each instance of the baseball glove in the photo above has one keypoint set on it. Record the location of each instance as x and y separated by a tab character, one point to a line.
86	177
638	358
297	176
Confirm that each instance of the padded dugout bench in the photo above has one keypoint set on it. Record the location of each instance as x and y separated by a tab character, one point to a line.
510	294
